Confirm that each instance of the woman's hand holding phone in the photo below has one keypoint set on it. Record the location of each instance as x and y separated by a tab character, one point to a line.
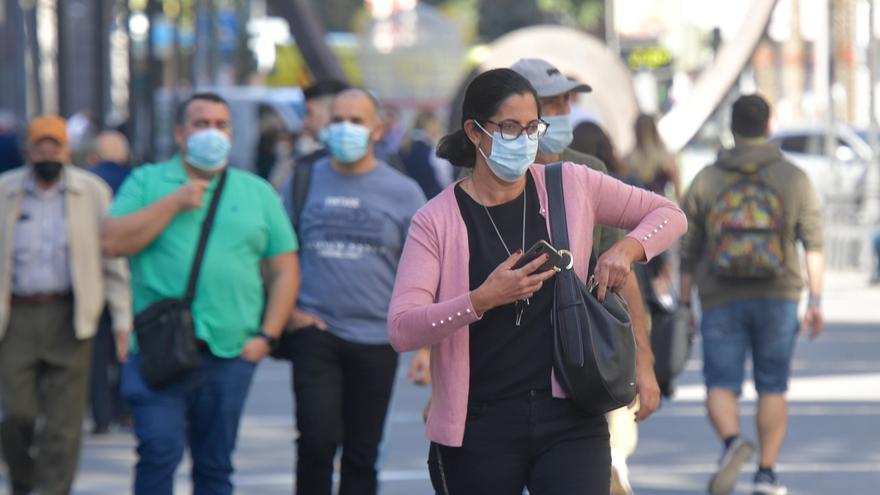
506	285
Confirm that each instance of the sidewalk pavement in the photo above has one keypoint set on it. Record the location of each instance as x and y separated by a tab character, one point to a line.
850	299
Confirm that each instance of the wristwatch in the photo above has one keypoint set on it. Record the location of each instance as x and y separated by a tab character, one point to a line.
271	341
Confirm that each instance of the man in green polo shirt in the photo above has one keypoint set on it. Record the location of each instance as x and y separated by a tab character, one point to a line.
155	220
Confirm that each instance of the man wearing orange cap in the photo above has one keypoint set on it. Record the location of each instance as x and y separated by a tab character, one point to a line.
54	283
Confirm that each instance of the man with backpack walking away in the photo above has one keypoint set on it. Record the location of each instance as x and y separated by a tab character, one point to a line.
746	214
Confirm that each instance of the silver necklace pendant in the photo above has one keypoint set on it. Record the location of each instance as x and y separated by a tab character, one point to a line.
520	305
519	308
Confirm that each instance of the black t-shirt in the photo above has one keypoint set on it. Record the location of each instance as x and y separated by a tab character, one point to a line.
506	359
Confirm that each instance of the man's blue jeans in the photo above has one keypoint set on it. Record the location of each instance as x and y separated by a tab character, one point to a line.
765	327
202	410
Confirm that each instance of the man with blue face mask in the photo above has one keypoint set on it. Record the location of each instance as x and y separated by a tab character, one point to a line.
555	91
156	220
352	225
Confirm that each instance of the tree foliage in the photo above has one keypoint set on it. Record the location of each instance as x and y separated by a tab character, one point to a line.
496	17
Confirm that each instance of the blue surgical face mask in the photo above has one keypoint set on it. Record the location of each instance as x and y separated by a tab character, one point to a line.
208	150
558	136
510	160
348	142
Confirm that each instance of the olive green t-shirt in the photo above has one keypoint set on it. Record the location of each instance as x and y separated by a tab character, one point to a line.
250	225
603	237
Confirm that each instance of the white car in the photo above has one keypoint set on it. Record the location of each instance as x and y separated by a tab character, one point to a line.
840	179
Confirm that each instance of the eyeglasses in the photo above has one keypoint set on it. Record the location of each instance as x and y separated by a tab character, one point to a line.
511	130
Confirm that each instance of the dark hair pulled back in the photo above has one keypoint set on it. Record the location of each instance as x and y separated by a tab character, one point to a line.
482	98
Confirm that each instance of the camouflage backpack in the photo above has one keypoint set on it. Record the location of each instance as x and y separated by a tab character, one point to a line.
745	228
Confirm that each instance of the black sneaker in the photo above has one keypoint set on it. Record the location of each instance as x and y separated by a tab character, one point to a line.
767	484
724	480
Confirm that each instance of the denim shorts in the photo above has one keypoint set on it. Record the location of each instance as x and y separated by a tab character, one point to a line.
767	327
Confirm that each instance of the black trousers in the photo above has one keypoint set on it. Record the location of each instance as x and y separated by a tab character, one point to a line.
533	441
342	393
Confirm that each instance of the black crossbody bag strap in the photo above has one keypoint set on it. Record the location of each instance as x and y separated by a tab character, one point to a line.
558	221
203	240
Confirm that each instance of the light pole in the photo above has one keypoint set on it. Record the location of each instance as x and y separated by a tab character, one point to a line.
872	181
13	89
612	41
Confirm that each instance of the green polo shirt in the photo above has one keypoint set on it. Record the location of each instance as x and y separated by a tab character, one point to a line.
250	225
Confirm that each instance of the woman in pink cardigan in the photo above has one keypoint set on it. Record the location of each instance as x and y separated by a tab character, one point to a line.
499	420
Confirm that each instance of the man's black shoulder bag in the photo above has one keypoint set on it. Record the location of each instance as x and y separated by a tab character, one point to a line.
165	331
594	349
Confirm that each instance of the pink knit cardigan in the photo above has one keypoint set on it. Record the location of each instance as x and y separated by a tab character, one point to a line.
431	303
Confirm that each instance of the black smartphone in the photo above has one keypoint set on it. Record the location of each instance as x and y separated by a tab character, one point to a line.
539	248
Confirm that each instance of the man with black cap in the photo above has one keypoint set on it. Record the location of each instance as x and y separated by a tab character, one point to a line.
54	284
310	147
746	215
555	91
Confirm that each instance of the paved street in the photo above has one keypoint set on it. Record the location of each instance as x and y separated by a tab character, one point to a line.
833	445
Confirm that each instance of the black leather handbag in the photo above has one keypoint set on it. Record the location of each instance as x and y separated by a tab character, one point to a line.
594	350
165	331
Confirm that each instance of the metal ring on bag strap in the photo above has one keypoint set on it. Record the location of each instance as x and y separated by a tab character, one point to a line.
570	265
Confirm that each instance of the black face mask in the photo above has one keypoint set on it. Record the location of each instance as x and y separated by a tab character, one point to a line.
47	171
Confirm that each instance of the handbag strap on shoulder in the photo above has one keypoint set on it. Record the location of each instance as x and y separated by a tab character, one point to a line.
203	239
558	220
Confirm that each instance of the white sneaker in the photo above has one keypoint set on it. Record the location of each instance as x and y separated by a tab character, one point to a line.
767	484
620	476
724	480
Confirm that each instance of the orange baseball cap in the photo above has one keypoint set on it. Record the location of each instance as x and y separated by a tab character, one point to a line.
48	127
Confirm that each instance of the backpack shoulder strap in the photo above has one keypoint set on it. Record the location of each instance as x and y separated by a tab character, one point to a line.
302	182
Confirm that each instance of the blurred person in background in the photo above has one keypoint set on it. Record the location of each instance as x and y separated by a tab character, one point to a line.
417	152
388	145
81	129
652	164
318	99
310	146
109	160
658	276
589	138
875	243
53	288
271	132
352	226
747	213
671	337
10	153
156	221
